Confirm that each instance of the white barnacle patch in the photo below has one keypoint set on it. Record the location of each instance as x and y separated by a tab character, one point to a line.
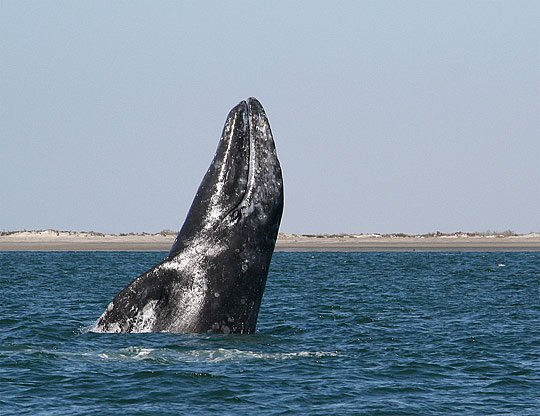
189	294
219	328
145	319
113	328
213	214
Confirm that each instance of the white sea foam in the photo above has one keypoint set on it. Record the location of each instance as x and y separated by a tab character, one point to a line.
222	354
203	355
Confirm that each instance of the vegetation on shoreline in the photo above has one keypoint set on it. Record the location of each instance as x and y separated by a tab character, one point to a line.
462	234
171	233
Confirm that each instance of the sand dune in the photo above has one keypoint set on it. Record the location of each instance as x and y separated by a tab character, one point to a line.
53	240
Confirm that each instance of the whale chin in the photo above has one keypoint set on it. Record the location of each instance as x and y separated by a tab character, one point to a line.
214	276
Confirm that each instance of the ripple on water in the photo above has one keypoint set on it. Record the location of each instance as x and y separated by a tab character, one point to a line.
339	333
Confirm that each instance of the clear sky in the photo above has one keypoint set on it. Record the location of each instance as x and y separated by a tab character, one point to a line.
388	116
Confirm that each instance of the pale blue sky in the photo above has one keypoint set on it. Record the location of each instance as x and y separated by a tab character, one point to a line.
396	116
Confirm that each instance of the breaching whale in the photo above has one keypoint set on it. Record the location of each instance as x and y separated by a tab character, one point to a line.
214	275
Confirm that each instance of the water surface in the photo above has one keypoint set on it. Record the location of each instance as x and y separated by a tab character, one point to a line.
339	333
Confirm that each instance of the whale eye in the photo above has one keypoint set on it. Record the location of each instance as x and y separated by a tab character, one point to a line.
235	216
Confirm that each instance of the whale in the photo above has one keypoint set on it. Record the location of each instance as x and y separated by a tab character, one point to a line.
213	279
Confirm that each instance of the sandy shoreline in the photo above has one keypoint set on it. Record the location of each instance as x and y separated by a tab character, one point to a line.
88	241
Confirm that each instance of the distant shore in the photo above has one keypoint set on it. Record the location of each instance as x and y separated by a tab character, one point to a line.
52	240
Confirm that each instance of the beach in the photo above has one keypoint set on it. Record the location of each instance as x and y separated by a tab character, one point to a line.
52	240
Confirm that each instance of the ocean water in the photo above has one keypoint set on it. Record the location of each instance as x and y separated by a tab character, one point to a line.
338	333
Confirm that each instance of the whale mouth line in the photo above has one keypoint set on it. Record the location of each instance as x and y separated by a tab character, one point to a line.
245	201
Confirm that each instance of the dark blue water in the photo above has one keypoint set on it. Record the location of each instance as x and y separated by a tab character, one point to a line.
339	333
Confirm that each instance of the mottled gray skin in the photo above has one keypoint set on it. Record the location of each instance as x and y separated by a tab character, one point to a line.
214	276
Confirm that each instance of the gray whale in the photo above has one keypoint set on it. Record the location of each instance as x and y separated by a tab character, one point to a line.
214	276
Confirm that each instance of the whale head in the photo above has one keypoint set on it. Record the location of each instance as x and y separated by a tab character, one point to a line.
243	187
